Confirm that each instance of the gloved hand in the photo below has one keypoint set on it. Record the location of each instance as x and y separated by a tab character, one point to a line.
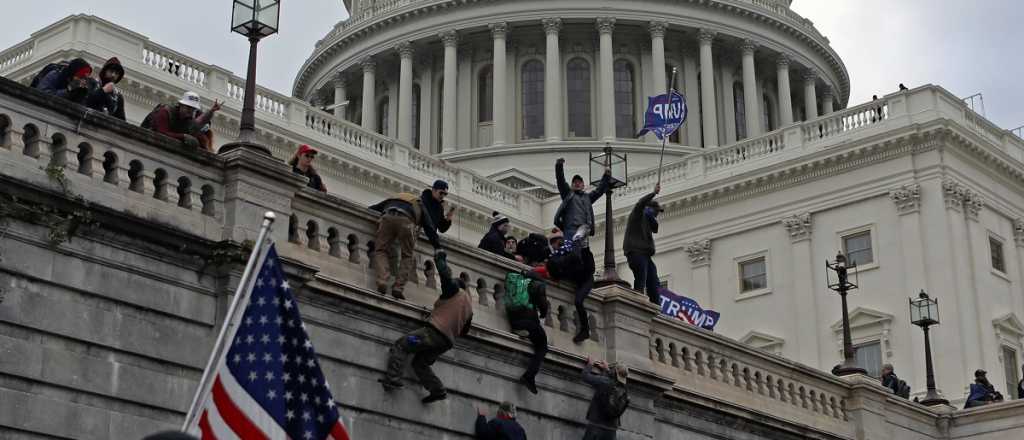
580	233
190	141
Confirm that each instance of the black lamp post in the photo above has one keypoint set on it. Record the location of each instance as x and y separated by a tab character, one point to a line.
617	164
842	286
924	313
255	19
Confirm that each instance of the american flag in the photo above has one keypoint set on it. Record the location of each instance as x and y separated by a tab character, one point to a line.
269	384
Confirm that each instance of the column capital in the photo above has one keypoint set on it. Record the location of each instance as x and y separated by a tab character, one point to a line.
826	92
369	65
450	38
1018	231
973	204
810	76
657	28
699	252
340	79
907	198
798	226
551	25
782	62
605	25
953	193
748	47
499	29
705	36
405	49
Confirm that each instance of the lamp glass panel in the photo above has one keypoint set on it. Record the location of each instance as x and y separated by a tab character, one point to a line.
270	14
933	310
241	16
915	311
618	165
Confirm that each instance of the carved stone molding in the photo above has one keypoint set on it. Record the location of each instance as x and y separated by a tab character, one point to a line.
700	252
340	79
973	204
551	25
657	28
826	92
499	30
907	198
810	76
449	37
605	25
369	65
954	194
782	62
705	36
1018	231
405	49
748	47
798	226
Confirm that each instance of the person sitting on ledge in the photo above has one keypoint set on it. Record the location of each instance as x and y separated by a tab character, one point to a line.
69	81
898	386
494	240
452	317
302	163
104	97
181	122
502	427
982	392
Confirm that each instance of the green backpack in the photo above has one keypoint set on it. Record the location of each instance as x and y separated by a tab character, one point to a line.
517	292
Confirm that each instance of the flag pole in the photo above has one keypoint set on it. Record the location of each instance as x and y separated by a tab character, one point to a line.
241	293
664	138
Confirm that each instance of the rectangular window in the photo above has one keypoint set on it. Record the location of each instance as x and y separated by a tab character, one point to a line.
1011	369
753	275
869	357
996	248
858	248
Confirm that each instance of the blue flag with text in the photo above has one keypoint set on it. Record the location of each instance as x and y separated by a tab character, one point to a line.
665	113
687	310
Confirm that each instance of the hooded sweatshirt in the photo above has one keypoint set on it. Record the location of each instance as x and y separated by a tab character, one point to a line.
57	81
640	230
109	103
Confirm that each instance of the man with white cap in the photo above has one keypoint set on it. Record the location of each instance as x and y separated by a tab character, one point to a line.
181	122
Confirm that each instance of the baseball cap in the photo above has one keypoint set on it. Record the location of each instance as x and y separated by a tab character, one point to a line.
190	99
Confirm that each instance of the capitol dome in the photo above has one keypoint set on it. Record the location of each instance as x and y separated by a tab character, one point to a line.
468	80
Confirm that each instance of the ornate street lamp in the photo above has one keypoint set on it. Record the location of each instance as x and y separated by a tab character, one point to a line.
255	19
924	313
842	285
617	163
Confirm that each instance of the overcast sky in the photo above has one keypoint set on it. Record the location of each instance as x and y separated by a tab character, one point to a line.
966	46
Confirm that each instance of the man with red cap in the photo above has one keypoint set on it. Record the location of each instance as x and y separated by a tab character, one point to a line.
302	163
70	82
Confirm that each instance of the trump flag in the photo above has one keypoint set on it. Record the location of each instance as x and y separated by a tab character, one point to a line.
665	113
687	310
269	384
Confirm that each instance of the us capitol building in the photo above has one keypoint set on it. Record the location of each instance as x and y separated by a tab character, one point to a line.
772	174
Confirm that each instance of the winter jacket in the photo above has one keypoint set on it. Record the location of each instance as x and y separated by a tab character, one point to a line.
494	242
538	297
58	81
891	382
602	383
577	206
436	210
109	103
412	206
452	314
640	229
499	429
167	122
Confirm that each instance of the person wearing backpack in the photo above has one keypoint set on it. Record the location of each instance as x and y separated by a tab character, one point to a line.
181	122
611	398
69	81
898	386
526	303
104	97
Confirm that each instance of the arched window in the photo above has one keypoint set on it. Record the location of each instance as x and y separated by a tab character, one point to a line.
625	120
578	91
485	96
533	100
383	108
416	116
741	110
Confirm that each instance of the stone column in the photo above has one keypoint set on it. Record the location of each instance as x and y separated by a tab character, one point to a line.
499	31
907	199
448	116
552	80
606	89
340	95
727	69
826	101
785	98
700	260
955	196
404	123
692	92
657	30
707	88
750	95
798	227
810	95
369	121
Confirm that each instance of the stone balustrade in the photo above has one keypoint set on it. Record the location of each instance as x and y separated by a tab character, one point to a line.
17	55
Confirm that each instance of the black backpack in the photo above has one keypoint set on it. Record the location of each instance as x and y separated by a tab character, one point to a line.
904	389
147	122
46	70
533	248
612	403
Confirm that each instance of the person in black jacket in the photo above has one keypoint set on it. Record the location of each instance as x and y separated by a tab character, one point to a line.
1020	385
528	319
494	240
502	427
434	204
104	97
638	244
70	81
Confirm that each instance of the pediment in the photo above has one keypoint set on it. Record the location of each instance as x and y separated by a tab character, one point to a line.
758	340
1008	325
864	317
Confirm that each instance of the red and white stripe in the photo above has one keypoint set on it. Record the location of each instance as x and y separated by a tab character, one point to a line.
230	413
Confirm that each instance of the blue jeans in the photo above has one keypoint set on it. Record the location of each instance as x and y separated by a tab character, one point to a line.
645	275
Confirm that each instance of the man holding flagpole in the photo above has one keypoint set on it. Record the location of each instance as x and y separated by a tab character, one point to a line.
638	244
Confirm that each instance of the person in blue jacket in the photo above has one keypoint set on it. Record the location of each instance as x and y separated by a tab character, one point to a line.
502	427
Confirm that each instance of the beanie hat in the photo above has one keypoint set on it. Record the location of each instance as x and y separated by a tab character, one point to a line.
555	234
440	185
577	177
498	219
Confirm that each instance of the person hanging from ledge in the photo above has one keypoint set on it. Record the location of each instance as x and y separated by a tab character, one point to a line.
611	398
185	122
452	317
68	80
401	218
526	304
104	96
503	427
982	392
576	212
638	245
494	240
302	164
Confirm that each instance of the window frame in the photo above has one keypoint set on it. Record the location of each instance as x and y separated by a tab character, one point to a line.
589	93
872	230
995	239
751	258
1015	368
521	100
481	91
632	106
881	360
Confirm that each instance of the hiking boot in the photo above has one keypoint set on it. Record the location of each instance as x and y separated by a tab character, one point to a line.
530	384
382	289
581	336
390	385
435	396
